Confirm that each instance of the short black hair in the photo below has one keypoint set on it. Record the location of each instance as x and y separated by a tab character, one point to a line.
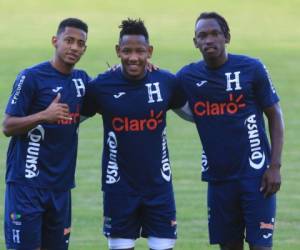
72	22
133	27
220	19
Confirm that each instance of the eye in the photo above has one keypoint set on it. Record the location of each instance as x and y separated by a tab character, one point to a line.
215	33
125	51
202	35
81	44
141	51
68	40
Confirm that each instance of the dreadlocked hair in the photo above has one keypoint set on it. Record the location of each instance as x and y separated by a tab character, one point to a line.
133	27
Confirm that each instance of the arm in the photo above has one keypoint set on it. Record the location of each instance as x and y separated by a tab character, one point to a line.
185	112
13	125
271	179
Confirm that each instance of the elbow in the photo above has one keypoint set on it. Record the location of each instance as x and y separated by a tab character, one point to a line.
5	130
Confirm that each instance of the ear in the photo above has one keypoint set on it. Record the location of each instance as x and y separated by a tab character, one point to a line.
54	41
150	51
195	43
84	49
227	39
117	47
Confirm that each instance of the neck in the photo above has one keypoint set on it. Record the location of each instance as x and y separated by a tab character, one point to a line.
216	62
61	66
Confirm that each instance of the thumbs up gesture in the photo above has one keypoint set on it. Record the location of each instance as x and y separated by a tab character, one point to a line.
57	111
57	98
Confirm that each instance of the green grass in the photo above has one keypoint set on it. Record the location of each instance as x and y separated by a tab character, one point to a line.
266	29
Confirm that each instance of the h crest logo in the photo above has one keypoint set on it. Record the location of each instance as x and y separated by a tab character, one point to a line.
153	89
80	88
16	236
235	80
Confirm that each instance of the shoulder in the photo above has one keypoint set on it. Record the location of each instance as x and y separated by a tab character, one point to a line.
244	59
33	70
104	77
28	75
81	73
162	74
190	67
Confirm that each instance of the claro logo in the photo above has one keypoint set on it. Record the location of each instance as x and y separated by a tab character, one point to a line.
231	106
126	124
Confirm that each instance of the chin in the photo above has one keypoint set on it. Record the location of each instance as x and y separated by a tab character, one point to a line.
135	74
212	56
71	62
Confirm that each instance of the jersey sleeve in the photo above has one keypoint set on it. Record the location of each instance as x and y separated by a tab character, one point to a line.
264	90
178	98
22	95
89	102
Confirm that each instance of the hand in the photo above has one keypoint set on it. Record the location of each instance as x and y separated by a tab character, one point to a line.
56	111
114	67
271	181
150	67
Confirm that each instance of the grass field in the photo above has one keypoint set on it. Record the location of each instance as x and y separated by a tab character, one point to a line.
266	29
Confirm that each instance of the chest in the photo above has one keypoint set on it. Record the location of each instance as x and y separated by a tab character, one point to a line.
221	85
71	89
136	101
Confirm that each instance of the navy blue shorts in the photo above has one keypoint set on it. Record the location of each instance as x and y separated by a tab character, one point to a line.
238	208
131	216
35	218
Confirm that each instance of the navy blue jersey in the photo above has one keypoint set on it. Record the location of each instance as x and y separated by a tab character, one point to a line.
45	157
135	153
227	105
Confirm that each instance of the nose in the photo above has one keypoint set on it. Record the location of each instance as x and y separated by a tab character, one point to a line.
133	57
209	39
74	46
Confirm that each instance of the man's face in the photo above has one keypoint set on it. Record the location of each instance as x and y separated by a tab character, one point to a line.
134	51
70	45
210	39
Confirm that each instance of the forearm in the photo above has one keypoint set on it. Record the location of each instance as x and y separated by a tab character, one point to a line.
185	113
13	125
276	136
276	130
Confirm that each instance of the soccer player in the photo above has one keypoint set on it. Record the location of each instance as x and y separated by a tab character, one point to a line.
136	174
42	118
228	95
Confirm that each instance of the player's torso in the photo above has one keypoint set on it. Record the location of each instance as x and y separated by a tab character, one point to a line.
135	155
47	153
228	119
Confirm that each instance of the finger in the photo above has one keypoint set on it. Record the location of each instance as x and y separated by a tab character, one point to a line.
268	190
63	106
276	188
155	67
57	98
263	185
65	116
149	67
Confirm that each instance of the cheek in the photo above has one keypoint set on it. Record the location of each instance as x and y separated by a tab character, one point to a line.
82	51
144	57
199	44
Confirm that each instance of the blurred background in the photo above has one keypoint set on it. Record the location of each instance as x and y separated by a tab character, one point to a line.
266	29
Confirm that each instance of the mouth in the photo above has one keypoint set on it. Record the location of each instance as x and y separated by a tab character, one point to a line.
133	67
72	56
210	49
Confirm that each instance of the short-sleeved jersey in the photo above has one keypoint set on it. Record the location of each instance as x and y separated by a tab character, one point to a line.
135	153
227	105
45	157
